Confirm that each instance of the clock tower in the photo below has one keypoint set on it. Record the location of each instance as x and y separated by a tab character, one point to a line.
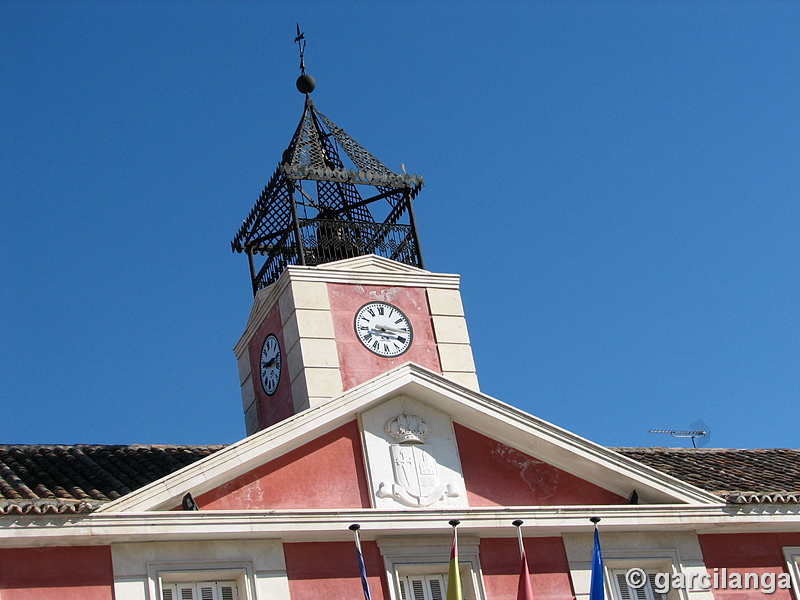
341	293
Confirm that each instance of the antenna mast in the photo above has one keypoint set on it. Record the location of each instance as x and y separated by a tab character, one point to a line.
698	430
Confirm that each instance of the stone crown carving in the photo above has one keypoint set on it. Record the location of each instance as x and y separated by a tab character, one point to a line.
408	429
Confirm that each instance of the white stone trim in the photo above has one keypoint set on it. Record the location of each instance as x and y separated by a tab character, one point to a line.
258	567
160	574
651	566
372	262
428	554
332	525
792	556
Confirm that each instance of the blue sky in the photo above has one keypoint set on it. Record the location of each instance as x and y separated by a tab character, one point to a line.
616	182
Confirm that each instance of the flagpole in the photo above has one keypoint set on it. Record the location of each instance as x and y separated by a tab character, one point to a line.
597	587
454	524
354	528
518	525
454	577
524	589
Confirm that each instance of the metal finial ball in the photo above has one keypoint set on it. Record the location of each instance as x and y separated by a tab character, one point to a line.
305	84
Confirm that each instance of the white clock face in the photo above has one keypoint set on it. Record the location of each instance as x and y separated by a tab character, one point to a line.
383	329
270	364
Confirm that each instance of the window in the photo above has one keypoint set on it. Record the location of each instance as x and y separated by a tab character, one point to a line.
622	591
200	590
423	587
653	565
417	569
792	556
177	582
429	582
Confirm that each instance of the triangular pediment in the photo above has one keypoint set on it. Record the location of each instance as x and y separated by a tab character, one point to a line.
372	263
484	416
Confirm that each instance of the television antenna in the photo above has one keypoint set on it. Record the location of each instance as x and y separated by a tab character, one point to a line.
698	431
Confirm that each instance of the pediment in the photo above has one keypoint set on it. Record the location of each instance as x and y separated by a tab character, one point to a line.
372	263
509	433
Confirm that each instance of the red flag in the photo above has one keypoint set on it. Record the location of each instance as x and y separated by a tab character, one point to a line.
524	591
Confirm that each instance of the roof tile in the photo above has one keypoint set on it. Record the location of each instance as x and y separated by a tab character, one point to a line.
43	479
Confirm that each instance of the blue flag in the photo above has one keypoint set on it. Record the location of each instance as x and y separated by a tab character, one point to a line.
597	589
363	570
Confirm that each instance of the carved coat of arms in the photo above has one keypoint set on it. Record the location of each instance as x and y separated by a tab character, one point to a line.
416	473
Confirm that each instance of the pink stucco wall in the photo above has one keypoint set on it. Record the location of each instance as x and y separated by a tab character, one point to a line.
498	475
746	553
327	472
359	364
279	405
547	565
66	573
329	570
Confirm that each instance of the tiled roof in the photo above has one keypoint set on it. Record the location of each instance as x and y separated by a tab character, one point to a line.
79	479
72	479
767	475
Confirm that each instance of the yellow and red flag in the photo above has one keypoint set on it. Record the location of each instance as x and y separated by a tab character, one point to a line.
454	577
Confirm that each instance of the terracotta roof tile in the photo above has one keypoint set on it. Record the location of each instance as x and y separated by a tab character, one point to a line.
45	479
768	474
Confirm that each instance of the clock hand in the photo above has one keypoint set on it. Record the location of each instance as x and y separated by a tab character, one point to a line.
387	329
377	331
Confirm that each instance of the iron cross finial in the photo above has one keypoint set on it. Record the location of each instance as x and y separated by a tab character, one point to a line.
300	40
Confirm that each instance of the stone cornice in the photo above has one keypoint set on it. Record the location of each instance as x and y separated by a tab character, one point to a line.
332	525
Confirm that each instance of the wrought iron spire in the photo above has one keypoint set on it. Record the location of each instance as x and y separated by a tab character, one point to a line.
317	209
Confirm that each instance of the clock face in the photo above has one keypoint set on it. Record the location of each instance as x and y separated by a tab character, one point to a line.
383	329
270	364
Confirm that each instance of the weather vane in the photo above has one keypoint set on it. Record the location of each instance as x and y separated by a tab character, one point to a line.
305	83
300	40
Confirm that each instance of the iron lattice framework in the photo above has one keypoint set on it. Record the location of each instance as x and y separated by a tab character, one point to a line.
312	211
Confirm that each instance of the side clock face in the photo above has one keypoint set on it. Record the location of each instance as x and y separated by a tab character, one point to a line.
270	364
383	329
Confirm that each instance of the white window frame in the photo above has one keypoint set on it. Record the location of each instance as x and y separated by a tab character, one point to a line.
648	588
405	557
406	582
160	574
792	556
651	561
197	593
